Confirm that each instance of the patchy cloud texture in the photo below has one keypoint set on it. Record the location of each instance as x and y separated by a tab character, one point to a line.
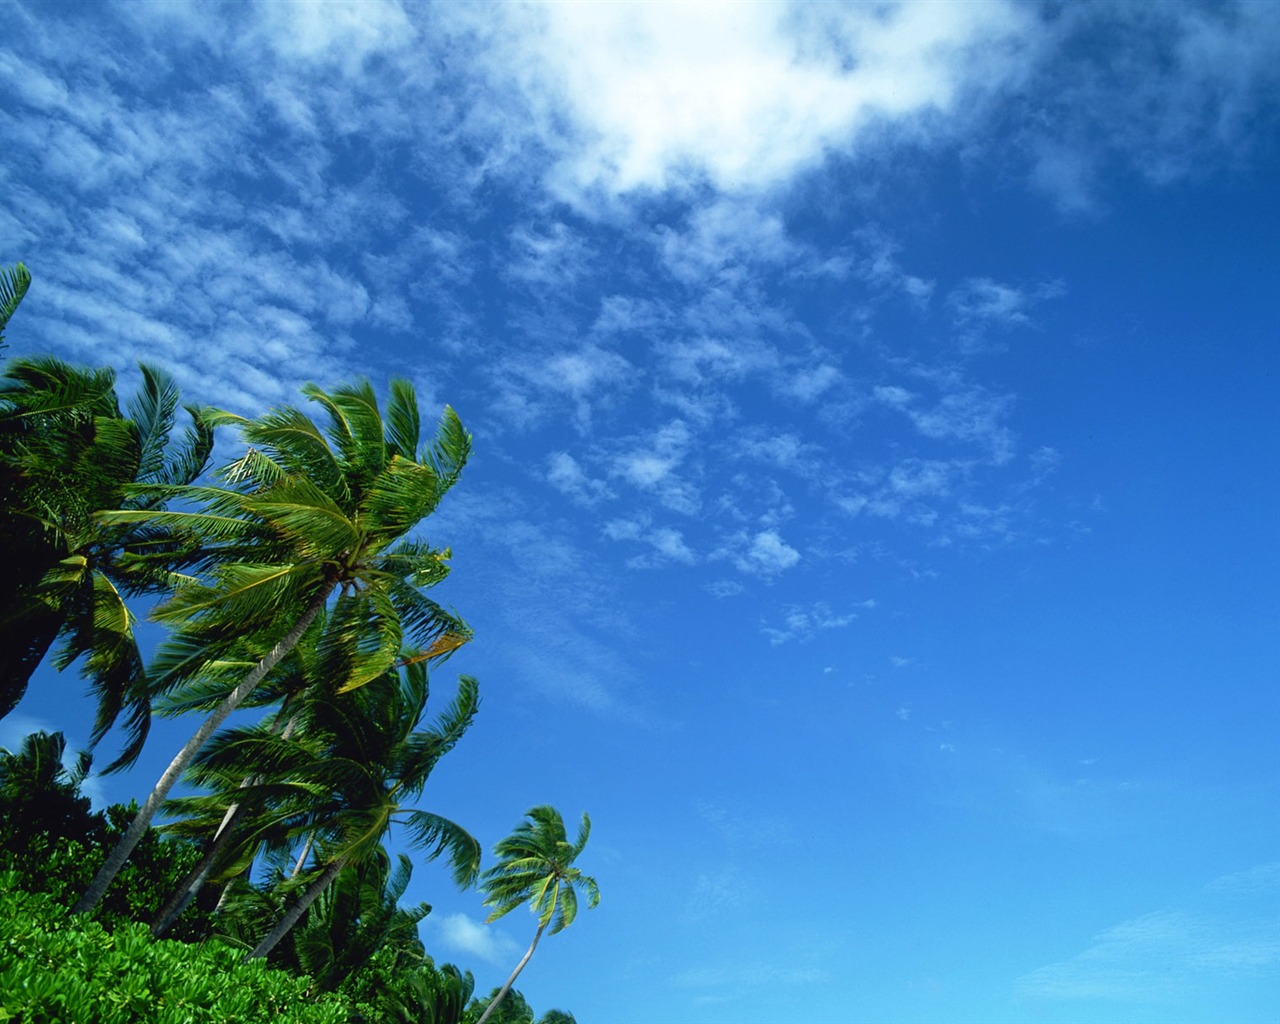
874	407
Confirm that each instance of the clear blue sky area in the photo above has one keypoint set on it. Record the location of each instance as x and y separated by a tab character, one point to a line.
875	507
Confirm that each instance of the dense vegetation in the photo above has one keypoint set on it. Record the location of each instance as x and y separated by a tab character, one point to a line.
290	581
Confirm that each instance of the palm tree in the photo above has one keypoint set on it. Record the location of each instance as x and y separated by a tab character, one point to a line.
38	792
248	800
371	760
66	451
14	282
357	916
303	516
535	866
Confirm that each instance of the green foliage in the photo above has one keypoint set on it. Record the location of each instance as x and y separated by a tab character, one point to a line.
57	969
66	453
302	516
52	841
400	986
513	1008
535	866
14	282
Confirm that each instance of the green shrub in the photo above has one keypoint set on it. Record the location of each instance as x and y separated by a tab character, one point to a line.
58	969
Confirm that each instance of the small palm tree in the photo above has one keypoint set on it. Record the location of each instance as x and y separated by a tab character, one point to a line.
38	791
536	867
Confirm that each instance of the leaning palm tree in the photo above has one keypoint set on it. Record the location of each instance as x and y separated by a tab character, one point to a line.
356	917
303	516
248	801
67	451
536	867
372	760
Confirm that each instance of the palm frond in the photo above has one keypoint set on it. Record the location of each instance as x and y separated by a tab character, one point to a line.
436	835
403	419
14	282
191	457
152	410
449	450
289	437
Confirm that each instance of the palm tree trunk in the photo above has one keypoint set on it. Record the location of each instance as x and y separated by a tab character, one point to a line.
502	992
298	909
194	882
142	820
302	858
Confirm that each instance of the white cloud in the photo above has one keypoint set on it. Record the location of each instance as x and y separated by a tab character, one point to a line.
962	412
980	304
647	97
804	623
460	933
336	32
670	544
566	475
724	588
767	554
652	466
1168	90
667	544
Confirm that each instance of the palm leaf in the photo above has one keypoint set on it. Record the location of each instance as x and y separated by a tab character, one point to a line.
14	282
402	419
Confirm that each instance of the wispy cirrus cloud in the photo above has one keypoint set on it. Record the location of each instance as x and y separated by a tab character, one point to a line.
982	306
803	623
1224	932
763	553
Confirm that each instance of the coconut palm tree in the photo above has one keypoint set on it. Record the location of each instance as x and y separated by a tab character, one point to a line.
357	916
245	803
303	516
372	760
38	791
67	451
535	866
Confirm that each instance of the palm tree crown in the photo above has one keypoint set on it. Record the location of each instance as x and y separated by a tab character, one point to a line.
535	866
66	452
305	513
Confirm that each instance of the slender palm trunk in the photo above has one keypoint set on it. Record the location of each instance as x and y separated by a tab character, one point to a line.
295	912
142	821
195	880
302	857
502	992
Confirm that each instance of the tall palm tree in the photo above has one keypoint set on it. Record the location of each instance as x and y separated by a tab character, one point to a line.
67	451
302	516
535	866
372	760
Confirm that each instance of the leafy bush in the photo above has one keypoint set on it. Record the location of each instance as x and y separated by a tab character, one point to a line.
58	969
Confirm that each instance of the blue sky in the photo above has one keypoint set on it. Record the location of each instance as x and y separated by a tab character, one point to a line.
873	520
